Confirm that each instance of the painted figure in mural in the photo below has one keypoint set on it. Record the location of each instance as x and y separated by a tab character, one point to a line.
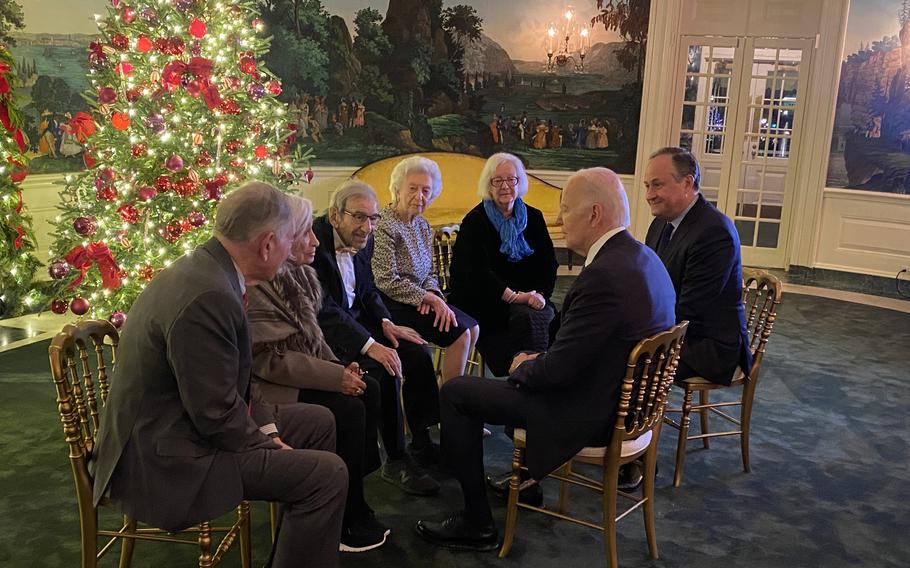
343	113
69	146
403	265
554	137
582	140
47	141
602	140
540	136
359	113
322	113
315	131
592	134
494	129
874	130
503	128
337	125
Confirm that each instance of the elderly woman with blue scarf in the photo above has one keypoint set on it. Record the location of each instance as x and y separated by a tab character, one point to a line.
504	266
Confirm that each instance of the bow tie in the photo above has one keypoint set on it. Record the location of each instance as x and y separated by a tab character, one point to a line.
346	250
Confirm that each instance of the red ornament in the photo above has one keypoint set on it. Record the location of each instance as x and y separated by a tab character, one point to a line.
127	14
146	273
108	174
228	106
123	68
172	232
128	213
174	163
274	87
247	64
88	160
232	82
147	193
237	162
261	151
133	95
185	187
107	193
196	218
163	183
85	226
308	175
233	145
162	45
138	149
59	268
59	306
79	306
120	120
175	46
120	42
197	28
107	95
212	191
196	49
204	158
117	318
143	44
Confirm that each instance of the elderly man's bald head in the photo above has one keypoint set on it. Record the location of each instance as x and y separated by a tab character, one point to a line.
593	203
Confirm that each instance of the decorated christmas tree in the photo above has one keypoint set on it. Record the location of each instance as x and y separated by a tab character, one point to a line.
17	263
184	111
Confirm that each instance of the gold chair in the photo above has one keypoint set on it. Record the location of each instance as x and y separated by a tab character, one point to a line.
443	247
649	374
77	403
761	296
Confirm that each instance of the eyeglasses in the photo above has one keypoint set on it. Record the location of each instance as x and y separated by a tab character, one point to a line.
362	218
499	182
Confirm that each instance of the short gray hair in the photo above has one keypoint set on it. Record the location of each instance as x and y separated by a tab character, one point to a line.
301	212
493	162
684	163
415	165
602	185
251	209
350	188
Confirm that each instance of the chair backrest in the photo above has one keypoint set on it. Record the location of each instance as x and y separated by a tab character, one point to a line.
443	245
650	370
80	378
762	293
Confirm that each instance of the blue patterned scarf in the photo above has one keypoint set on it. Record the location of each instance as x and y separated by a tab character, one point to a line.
511	230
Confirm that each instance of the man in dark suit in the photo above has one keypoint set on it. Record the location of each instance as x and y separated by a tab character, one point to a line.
567	397
700	248
359	328
178	442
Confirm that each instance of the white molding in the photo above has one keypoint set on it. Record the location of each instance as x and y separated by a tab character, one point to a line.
867	196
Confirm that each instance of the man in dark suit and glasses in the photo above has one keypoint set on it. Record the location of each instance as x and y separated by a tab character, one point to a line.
179	443
700	248
567	397
358	327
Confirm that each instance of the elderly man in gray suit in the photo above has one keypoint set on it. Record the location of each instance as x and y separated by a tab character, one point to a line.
179	443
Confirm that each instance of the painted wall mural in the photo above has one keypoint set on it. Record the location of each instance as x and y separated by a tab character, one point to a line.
369	79
870	147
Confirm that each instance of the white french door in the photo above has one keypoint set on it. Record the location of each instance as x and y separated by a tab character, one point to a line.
740	112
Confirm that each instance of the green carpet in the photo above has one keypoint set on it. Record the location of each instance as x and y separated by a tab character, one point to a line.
829	485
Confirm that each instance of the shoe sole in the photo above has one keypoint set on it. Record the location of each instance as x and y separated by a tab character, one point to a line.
345	548
458	546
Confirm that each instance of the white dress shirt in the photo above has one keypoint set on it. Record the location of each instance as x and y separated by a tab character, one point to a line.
599	243
345	261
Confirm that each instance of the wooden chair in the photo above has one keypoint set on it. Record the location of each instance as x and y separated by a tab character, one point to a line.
761	296
443	247
649	374
78	389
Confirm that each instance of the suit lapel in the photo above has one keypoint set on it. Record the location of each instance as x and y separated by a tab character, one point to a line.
688	222
326	237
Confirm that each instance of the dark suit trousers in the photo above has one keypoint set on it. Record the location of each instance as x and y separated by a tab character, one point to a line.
420	391
466	403
356	429
309	483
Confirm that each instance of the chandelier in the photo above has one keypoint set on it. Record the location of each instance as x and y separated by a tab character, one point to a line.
567	42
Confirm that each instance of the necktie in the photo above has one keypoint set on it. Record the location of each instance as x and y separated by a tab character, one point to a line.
346	250
664	238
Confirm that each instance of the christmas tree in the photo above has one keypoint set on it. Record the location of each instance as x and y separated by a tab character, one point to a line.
17	263
184	111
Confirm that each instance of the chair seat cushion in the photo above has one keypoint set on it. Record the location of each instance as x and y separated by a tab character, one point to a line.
738	376
629	447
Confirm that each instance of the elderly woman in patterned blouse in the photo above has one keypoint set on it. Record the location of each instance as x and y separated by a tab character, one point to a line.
403	265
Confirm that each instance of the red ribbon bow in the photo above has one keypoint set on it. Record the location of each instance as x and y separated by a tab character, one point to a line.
17	242
82	258
83	126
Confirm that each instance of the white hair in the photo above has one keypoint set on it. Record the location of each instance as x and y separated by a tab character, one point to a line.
350	188
493	162
603	186
251	209
415	165
301	213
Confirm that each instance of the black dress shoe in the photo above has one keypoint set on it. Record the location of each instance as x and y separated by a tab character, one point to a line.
630	477
499	485
456	532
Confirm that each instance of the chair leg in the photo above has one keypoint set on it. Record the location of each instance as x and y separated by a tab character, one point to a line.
610	495
88	521
246	542
205	545
512	505
703	399
273	519
564	487
745	420
647	493
683	434
127	544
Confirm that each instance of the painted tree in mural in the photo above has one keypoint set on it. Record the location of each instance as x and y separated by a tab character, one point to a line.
184	110
10	18
630	19
17	263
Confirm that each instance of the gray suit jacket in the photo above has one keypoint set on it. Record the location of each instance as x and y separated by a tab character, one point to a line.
176	412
